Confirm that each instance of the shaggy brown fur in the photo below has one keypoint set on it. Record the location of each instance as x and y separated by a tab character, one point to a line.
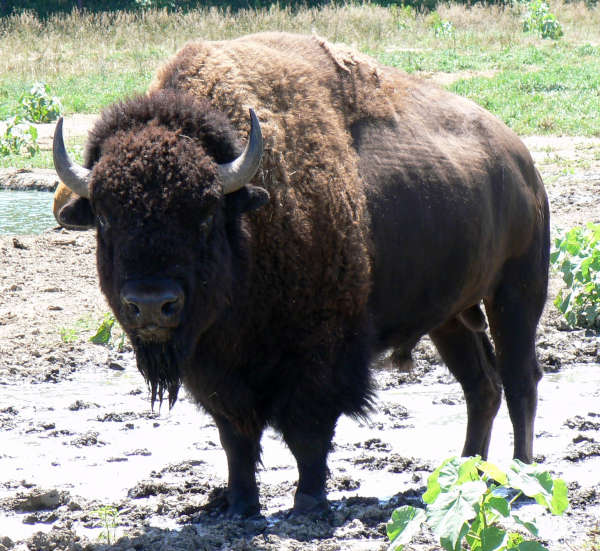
395	209
316	218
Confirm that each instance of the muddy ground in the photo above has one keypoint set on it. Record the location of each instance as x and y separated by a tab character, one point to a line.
77	434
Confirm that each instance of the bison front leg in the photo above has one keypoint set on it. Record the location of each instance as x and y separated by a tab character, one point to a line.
243	453
310	443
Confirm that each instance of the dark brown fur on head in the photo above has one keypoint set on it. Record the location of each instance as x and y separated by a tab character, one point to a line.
155	177
174	111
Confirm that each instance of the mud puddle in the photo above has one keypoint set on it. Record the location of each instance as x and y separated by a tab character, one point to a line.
75	445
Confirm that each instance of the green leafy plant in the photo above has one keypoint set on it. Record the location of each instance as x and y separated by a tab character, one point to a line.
441	27
68	335
107	332
539	19
38	105
466	498
104	333
577	255
19	138
109	517
402	14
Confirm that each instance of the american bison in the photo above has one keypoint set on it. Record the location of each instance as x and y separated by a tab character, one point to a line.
384	208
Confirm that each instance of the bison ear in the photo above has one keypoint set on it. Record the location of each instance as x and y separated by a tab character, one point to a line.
76	215
246	199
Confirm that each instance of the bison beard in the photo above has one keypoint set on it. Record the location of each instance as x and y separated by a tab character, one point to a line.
159	364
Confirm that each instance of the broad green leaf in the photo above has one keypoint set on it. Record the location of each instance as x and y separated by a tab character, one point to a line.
531	527
493	539
532	482
499	504
450	545
405	523
102	336
493	471
449	474
454	470
539	485
560	499
449	514
467	471
433	485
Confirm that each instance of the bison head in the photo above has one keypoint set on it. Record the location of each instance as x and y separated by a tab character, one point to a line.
171	243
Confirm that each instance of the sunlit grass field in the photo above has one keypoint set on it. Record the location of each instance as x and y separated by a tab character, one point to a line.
536	85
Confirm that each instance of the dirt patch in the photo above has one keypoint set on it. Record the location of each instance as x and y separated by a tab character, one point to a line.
77	433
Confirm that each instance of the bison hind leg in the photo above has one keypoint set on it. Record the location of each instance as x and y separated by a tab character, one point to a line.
470	357
513	313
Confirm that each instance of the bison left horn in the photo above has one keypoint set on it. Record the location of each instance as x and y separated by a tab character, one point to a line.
239	172
75	177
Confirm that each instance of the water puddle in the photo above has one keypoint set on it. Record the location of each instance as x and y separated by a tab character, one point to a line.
25	212
95	437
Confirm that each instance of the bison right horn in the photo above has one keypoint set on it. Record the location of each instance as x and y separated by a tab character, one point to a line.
239	172
75	177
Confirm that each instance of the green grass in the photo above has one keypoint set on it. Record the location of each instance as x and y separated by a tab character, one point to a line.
536	86
556	100
43	159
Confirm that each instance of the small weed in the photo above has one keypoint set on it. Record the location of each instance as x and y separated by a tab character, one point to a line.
577	255
539	19
466	497
38	105
68	335
71	334
19	138
402	15
104	333
441	27
109	517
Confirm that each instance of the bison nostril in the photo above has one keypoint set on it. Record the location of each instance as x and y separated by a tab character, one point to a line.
152	302
134	309
170	308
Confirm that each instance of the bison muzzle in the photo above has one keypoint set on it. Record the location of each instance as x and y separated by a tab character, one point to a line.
367	209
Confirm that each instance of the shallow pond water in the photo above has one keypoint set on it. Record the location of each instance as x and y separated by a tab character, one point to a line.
25	212
95	437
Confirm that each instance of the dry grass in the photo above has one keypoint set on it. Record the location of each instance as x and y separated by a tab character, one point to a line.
113	43
75	44
92	60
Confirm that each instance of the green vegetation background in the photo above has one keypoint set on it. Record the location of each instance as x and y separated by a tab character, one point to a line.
48	7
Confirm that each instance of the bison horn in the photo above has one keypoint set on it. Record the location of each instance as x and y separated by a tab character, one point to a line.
75	177
238	173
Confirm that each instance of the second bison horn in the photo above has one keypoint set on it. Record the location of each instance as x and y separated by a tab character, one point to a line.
75	177
239	172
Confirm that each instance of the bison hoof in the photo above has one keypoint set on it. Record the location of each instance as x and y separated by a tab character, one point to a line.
305	504
242	510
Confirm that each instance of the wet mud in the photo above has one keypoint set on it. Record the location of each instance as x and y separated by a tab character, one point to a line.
77	434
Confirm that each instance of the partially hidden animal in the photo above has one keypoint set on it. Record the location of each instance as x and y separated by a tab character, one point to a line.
366	209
